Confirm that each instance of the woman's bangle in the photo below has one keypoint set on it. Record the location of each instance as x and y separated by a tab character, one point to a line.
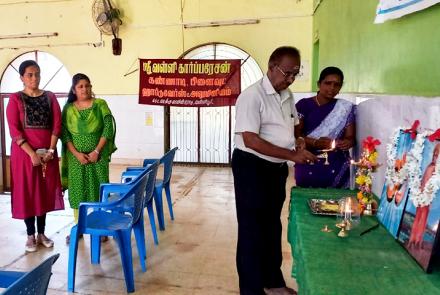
96	151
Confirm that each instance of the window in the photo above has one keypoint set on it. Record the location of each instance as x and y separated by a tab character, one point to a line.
54	77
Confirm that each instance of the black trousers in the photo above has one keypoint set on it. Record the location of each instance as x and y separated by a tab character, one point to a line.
260	191
30	224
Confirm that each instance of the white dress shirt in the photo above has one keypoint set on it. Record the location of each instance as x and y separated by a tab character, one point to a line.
271	115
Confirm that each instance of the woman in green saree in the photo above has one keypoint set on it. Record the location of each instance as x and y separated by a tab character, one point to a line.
88	135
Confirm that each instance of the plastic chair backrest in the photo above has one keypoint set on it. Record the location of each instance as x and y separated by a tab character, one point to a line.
34	282
151	180
138	190
131	200
167	161
107	189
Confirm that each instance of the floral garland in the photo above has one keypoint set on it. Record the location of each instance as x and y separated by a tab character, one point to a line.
392	176
366	166
418	197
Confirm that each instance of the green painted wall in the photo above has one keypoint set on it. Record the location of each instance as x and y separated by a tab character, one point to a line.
397	57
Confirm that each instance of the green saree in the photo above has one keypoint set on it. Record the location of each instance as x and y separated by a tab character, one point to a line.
84	128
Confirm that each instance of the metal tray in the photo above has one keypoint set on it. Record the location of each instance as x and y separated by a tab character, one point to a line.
323	207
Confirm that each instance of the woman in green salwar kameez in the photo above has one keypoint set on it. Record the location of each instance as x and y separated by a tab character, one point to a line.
88	134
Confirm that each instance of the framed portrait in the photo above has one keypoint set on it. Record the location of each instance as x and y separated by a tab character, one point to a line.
395	190
418	231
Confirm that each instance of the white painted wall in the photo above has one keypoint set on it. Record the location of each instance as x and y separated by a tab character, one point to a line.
380	115
134	139
377	116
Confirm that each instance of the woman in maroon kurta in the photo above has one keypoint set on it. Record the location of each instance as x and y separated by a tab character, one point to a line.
34	119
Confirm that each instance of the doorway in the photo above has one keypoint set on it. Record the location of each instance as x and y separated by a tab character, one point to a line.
205	135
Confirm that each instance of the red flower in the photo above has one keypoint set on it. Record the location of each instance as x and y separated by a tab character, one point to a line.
370	143
435	135
413	130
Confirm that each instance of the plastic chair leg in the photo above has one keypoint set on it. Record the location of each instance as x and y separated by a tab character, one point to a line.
73	251
95	249
152	222
159	206
124	242
169	201
139	234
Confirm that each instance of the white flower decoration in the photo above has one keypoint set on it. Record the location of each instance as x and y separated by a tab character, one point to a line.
392	176
417	196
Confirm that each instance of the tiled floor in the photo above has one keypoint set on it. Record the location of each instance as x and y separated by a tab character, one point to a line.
195	255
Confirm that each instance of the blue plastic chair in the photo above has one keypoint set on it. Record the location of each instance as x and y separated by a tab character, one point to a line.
112	218
113	191
167	161
34	282
129	176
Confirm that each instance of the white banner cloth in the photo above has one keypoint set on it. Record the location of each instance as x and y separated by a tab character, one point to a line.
391	9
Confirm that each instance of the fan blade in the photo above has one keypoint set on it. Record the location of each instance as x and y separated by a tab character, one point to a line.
101	19
109	4
106	5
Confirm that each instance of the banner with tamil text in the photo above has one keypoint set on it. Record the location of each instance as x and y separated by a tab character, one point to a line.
391	9
189	82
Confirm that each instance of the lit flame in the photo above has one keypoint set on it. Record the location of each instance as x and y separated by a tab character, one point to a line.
333	144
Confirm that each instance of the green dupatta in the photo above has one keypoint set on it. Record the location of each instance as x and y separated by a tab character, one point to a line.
94	123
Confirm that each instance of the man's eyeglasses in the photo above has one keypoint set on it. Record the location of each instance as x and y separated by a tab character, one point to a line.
287	74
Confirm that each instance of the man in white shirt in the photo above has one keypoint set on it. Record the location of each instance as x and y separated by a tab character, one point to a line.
265	141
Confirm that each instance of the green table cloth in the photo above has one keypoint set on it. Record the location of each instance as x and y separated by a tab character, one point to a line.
374	263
